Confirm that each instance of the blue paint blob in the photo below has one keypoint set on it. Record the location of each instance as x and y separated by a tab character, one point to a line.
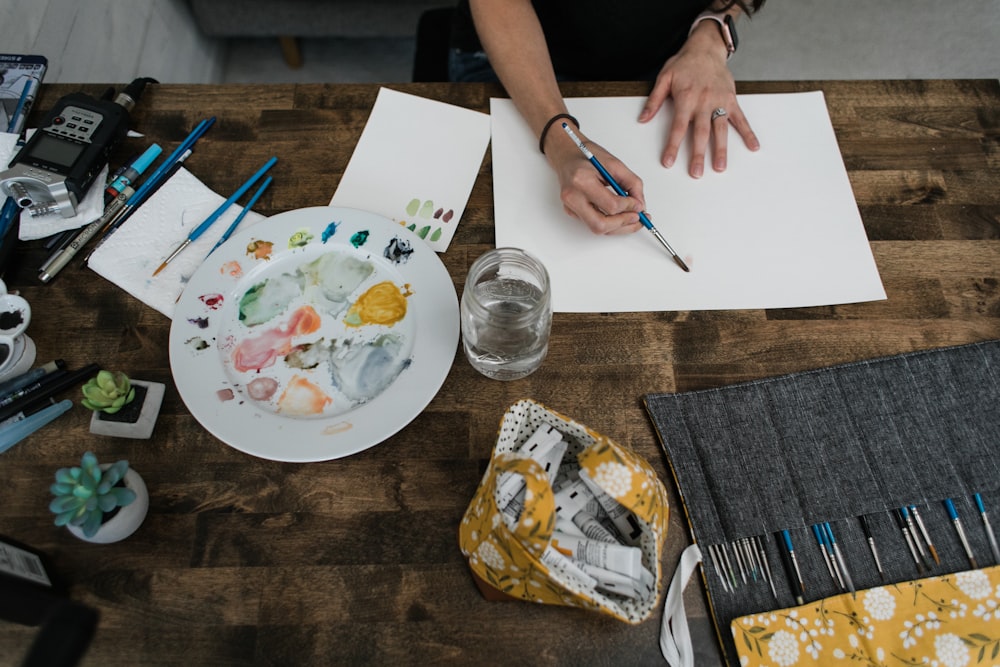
330	230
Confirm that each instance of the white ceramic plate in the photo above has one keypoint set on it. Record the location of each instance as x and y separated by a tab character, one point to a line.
314	334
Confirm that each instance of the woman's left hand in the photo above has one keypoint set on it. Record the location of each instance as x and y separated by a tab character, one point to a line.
699	82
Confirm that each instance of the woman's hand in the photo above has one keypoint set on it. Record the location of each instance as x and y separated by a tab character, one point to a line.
699	82
585	195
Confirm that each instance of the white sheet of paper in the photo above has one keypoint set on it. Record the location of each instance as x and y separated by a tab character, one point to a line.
778	229
415	163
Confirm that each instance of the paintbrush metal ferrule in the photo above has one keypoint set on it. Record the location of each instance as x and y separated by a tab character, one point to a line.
169	259
925	534
988	528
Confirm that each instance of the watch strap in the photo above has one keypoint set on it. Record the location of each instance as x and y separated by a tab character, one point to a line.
727	28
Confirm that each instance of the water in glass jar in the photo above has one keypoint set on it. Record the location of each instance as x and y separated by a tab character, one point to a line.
501	339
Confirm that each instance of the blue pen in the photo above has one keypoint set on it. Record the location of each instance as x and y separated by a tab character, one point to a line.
643	218
989	529
132	172
953	515
210	220
236	223
17	120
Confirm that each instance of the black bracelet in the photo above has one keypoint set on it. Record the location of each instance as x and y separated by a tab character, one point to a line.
545	130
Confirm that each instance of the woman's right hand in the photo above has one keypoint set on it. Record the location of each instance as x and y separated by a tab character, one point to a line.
584	194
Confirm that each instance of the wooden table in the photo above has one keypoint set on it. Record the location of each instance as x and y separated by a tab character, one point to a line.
356	561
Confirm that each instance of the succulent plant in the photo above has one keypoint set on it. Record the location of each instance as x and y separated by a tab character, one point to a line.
84	494
108	392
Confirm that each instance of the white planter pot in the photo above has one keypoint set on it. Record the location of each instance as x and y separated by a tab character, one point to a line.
142	428
128	518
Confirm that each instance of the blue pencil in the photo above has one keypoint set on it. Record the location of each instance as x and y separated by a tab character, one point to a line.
210	220
643	218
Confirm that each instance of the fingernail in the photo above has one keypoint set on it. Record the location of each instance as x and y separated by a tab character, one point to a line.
697	171
668	161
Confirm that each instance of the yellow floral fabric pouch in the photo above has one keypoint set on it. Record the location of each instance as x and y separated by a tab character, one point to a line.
950	620
506	556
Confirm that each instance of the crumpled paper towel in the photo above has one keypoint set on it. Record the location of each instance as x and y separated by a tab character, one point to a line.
130	255
87	211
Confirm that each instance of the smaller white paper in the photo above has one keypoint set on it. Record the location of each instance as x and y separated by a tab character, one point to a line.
415	163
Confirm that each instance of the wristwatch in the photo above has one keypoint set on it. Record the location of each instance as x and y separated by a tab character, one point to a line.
726	26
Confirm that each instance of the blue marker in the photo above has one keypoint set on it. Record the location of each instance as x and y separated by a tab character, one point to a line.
132	172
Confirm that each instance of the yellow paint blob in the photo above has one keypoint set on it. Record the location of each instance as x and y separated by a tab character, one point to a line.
381	304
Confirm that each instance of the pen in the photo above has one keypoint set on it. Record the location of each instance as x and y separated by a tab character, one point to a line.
643	218
203	227
61	258
20	113
953	515
239	218
64	380
989	529
10	386
125	211
132	172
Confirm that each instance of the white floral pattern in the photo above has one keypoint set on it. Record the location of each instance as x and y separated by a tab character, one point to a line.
614	478
923	622
491	555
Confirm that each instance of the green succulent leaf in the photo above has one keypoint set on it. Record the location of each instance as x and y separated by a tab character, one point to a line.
92	524
61	489
107	502
64	504
65	476
123	496
63	518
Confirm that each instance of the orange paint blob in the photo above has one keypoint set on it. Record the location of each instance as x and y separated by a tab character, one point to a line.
231	268
380	304
260	249
302	397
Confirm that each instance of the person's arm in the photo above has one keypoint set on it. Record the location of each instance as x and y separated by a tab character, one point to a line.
512	37
699	81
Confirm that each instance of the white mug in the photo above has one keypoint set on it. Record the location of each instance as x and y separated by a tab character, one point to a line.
17	349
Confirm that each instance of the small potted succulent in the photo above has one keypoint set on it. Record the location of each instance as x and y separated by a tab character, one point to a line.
99	503
122	407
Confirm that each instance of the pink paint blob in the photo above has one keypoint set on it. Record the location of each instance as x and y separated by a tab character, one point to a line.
213	301
262	389
263	350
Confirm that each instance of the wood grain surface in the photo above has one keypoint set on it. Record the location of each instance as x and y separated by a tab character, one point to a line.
356	561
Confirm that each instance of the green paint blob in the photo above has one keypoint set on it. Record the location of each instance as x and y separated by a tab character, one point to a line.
413	227
412	207
359	238
427	210
423	231
436	236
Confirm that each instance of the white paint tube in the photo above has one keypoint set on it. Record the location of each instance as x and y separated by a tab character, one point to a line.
592	528
510	484
612	582
564	525
548	456
555	561
616	557
626	523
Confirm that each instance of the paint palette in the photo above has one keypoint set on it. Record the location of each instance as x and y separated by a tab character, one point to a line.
314	335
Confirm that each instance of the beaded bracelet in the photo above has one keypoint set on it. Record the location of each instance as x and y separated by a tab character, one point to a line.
545	130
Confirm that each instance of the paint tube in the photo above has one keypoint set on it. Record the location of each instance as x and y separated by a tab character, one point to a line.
616	557
609	581
510	484
593	528
548	454
623	519
564	525
557	561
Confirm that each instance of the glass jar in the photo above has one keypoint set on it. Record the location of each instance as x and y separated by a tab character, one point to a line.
506	314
